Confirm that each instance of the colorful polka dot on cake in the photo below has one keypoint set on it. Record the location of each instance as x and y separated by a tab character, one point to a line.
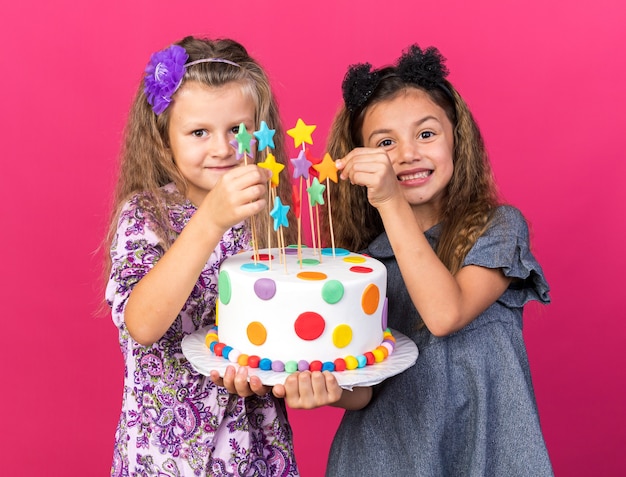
309	261
338	252
309	326
342	336
265	288
360	269
354	259
257	334
223	285
371	297
255	267
312	276
332	291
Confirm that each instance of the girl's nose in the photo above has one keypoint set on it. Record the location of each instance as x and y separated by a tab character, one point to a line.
409	152
220	147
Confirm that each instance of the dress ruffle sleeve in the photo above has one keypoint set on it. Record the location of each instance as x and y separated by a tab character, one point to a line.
134	251
505	245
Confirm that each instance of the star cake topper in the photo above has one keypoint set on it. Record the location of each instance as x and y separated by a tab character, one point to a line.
301	133
244	140
265	136
316	190
276	167
326	169
279	214
301	166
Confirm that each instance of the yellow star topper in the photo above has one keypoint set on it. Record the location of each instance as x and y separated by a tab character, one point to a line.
301	133
327	169
271	164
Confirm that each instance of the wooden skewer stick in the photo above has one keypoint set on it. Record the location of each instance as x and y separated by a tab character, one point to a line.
330	217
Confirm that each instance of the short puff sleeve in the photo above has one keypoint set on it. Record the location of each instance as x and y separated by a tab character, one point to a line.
505	245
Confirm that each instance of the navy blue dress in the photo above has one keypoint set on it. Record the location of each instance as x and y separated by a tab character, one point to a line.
467	407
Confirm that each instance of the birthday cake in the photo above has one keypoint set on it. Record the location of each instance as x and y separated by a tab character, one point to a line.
295	309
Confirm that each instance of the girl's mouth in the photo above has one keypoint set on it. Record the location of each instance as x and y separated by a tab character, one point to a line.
414	176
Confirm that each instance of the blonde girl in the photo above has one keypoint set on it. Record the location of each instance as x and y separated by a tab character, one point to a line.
183	204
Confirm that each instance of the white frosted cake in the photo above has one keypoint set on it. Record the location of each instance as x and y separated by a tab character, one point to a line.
317	311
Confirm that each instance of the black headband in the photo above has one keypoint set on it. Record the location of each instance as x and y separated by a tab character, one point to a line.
425	69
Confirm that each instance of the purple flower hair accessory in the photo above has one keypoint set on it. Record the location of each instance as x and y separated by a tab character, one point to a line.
164	73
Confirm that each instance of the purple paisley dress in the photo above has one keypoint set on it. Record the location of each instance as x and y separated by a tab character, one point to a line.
174	421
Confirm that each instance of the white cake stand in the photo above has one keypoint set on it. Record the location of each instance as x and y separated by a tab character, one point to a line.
403	357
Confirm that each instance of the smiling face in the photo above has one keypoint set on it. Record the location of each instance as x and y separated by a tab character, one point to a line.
419	140
203	121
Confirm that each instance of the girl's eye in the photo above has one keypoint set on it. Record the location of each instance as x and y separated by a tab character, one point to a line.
199	133
426	134
235	129
385	143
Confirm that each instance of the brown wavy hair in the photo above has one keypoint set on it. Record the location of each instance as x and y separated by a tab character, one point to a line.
145	161
471	194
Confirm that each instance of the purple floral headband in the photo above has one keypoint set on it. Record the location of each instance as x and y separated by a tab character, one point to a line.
165	72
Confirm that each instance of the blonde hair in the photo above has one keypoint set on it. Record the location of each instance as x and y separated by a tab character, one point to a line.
471	194
145	162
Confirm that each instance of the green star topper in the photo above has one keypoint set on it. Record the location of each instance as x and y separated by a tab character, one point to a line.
315	191
244	138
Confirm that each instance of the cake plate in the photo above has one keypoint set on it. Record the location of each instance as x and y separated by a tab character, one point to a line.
403	357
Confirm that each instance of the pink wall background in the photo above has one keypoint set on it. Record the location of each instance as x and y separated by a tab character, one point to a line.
545	80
